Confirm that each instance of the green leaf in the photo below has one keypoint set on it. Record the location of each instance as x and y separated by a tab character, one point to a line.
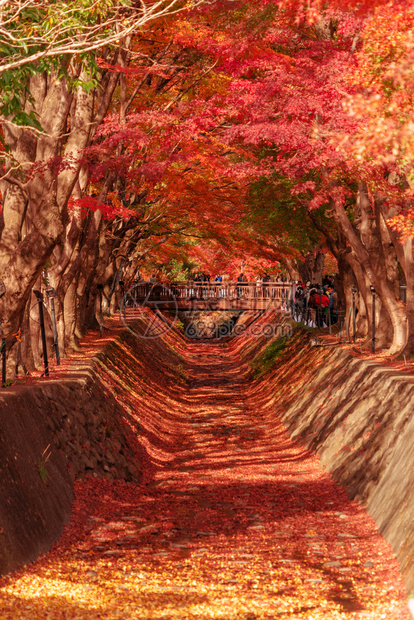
30	120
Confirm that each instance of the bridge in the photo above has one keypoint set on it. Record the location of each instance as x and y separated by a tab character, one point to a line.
208	295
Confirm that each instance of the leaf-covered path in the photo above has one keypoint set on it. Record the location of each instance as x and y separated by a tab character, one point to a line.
240	523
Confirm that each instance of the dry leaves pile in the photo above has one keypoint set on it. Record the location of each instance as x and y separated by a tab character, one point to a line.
241	524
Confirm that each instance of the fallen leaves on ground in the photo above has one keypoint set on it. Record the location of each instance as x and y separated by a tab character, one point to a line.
240	523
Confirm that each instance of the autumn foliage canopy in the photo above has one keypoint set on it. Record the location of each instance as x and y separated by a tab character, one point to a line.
221	131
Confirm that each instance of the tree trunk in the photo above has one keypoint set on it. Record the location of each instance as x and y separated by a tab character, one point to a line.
404	252
395	309
35	200
309	269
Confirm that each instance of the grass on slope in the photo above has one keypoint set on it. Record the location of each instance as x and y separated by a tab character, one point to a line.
271	355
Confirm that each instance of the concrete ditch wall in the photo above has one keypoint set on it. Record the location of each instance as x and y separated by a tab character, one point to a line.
358	416
95	422
49	434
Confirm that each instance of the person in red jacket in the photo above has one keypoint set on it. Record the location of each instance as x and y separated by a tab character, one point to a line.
322	302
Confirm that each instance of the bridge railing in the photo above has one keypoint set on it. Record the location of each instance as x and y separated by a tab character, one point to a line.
211	291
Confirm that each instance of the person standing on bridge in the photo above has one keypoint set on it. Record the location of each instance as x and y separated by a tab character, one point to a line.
259	284
299	303
218	281
196	282
312	307
200	279
265	281
240	281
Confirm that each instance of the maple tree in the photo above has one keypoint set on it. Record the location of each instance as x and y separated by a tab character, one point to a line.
295	106
161	168
191	114
53	97
382	146
285	94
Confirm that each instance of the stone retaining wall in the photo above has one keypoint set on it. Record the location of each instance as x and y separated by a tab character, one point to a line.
358	415
97	421
50	433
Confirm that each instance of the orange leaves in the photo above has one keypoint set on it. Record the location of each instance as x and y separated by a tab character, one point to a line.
239	523
313	11
383	82
404	224
238	90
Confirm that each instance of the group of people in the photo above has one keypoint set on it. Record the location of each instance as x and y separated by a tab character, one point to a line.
242	278
242	281
316	305
202	277
261	282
